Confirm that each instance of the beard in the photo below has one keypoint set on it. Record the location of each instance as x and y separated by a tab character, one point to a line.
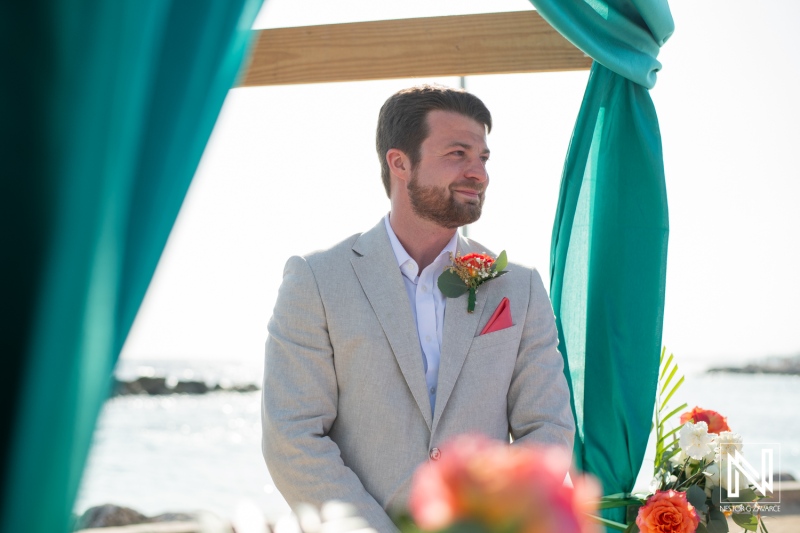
439	204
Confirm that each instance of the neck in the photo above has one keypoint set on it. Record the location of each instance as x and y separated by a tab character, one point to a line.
422	239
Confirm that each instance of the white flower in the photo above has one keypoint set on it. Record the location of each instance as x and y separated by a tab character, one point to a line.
695	440
727	443
712	476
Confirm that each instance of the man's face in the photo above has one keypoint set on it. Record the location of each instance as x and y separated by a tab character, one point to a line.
447	186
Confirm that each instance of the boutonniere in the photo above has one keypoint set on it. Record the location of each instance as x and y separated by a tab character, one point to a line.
468	272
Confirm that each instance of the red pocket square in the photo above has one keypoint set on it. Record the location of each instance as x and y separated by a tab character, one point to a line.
500	319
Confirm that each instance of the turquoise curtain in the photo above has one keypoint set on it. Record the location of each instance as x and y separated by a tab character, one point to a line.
609	246
106	108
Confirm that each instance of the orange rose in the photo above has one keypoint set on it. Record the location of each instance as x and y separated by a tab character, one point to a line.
475	262
667	511
716	422
503	488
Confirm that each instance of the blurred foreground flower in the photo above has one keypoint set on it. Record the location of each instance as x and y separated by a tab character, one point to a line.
667	512
502	488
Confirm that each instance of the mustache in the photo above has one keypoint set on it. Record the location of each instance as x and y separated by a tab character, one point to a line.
477	187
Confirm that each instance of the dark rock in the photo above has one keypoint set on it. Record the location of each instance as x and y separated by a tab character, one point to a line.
771	365
191	387
173	517
109	515
160	385
147	385
250	387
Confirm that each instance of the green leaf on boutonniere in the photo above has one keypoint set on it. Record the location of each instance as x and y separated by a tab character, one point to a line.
451	285
500	263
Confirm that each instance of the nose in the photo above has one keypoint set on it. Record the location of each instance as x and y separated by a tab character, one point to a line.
477	171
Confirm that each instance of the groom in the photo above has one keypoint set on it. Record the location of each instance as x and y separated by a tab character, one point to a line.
369	368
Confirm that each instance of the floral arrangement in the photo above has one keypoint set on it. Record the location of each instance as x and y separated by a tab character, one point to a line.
468	272
688	492
488	486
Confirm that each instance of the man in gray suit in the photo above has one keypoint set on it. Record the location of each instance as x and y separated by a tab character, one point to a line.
369	368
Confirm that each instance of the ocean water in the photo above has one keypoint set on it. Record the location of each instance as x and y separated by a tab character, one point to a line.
186	452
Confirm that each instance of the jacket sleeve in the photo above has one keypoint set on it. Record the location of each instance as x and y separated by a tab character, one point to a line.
300	397
539	398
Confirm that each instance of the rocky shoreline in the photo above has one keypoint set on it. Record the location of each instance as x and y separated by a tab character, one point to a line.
789	366
157	386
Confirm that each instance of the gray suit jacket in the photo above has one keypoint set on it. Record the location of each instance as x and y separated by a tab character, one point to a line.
345	411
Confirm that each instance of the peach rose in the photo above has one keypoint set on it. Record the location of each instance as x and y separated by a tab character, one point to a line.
667	511
504	488
716	422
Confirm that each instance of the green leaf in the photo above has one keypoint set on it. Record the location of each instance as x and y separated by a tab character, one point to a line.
451	285
610	504
666	436
717	526
747	495
632	528
697	497
716	497
675	388
669	378
672	453
674	412
609	523
746	520
501	262
666	365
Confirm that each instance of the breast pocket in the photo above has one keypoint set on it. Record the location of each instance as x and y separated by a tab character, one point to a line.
496	339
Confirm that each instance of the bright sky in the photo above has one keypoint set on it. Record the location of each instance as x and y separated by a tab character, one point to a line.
292	169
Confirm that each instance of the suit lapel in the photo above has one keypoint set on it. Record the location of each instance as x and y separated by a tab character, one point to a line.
376	267
460	327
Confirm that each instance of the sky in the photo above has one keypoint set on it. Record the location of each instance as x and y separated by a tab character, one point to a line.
292	169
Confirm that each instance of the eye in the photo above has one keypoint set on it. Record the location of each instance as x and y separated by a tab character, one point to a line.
485	159
459	153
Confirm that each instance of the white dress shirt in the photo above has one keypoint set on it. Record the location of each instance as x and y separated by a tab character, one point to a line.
427	303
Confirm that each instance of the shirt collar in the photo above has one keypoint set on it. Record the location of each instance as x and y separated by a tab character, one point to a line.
406	263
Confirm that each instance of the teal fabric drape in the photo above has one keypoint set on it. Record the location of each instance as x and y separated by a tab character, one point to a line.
106	110
609	246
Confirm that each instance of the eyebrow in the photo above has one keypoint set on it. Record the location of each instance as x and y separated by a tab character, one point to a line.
466	146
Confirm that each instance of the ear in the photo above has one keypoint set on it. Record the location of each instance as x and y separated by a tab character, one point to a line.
399	164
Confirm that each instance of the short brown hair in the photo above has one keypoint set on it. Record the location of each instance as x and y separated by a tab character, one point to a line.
402	121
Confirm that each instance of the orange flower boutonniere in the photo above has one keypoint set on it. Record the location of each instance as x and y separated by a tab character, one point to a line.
468	272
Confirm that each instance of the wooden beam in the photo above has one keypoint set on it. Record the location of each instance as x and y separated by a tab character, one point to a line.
464	45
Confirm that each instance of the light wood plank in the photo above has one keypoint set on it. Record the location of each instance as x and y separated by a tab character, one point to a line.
464	45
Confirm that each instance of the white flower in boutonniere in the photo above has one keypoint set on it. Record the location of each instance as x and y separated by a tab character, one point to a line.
468	272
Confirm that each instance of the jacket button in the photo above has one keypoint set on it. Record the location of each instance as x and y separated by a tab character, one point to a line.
435	454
